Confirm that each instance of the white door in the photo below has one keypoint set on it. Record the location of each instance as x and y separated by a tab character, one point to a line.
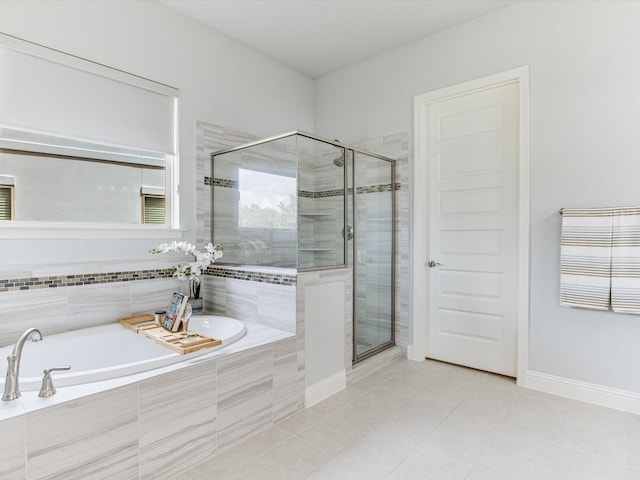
472	144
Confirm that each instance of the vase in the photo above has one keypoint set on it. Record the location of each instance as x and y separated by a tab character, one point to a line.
196	302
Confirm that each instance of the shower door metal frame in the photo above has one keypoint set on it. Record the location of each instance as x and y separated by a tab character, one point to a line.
355	357
383	346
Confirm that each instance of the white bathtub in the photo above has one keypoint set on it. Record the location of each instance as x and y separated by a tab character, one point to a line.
108	351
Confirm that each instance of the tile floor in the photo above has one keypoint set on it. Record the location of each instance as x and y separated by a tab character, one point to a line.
437	421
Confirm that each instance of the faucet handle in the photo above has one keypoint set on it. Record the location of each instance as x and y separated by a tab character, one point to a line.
47	389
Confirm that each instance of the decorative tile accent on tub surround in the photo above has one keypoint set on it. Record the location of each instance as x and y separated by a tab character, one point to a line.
32	283
253	275
178	421
94	437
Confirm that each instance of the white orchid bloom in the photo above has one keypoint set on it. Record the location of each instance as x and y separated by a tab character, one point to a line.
194	269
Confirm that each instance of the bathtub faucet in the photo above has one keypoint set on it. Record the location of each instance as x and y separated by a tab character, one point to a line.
11	387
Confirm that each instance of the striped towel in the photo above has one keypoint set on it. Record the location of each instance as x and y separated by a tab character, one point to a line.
585	258
625	260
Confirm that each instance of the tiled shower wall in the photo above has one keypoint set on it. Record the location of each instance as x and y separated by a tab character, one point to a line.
209	139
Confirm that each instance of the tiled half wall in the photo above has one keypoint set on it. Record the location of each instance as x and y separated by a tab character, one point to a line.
60	303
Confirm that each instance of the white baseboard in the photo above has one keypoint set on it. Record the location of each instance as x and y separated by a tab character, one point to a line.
325	388
414	354
585	392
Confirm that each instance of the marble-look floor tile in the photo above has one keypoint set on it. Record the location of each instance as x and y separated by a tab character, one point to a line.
419	467
445	438
293	459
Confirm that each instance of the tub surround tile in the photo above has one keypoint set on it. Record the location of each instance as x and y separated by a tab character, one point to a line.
43	309
269	304
113	429
276	307
285	378
177	425
241	300
95	437
257	335
92	305
151	295
214	294
12	459
245	395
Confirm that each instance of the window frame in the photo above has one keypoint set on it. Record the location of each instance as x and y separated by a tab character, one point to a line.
89	230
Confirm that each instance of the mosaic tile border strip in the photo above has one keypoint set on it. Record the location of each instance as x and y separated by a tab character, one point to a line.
385	187
260	277
33	283
221	182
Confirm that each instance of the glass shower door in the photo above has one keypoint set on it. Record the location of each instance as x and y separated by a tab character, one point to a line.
373	254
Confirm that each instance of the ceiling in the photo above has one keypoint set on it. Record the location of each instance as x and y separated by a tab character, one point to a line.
317	37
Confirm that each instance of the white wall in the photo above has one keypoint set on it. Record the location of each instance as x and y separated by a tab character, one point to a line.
584	75
219	80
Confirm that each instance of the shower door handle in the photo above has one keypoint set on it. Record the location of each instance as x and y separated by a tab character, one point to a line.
432	264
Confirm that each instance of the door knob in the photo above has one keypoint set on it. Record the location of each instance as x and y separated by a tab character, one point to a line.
432	263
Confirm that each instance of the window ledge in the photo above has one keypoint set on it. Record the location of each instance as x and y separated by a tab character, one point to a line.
81	231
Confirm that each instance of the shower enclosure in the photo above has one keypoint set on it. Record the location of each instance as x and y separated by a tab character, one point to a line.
309	203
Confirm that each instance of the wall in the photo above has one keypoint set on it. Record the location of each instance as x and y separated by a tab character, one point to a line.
219	80
584	108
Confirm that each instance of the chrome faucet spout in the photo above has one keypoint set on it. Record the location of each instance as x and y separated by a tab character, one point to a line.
11	384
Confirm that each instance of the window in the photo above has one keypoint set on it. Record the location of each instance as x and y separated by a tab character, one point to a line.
6	202
154	209
101	133
266	200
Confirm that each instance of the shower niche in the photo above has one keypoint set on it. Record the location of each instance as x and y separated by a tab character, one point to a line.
308	203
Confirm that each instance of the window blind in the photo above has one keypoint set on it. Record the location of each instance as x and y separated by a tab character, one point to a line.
6	201
47	91
153	210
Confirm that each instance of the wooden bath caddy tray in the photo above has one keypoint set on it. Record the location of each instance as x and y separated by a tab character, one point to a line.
181	342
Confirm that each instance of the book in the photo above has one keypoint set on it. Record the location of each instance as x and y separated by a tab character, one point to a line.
175	311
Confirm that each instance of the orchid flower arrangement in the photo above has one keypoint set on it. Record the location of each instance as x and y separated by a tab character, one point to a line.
201	260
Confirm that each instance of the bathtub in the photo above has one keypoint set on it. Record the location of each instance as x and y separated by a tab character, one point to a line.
108	351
